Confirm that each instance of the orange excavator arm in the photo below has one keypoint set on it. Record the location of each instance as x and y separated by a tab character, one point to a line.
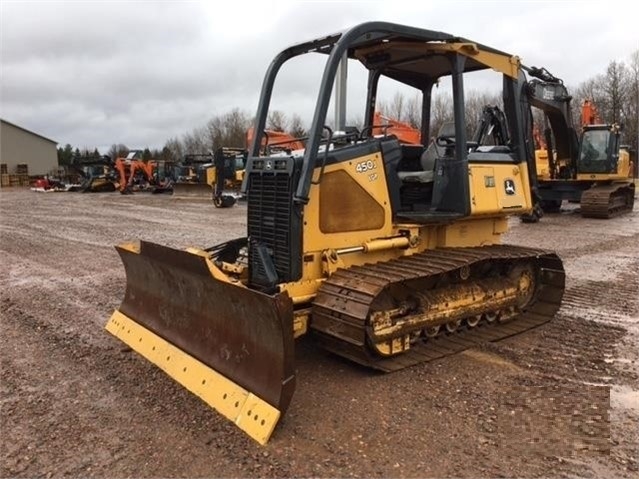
279	139
403	131
146	168
589	114
540	142
121	168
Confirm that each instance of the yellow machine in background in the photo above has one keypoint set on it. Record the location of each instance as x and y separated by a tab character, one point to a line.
97	174
593	168
219	179
191	180
388	254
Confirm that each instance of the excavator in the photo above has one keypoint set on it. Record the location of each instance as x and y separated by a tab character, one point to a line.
155	176
593	169
135	174
386	254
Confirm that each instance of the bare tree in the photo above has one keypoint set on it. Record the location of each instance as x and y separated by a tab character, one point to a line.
87	152
118	151
175	149
396	107
474	106
413	111
403	108
197	142
631	106
590	89
296	126
613	92
166	155
237	124
276	121
441	111
229	129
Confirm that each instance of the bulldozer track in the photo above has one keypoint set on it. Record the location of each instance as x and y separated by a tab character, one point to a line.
342	306
608	201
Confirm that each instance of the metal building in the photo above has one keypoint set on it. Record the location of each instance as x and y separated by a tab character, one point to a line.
19	146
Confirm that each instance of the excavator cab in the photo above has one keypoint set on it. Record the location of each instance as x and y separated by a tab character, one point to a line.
598	150
386	253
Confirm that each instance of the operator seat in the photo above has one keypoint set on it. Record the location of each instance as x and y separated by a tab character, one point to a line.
429	156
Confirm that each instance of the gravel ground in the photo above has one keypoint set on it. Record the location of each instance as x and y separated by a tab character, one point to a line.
561	400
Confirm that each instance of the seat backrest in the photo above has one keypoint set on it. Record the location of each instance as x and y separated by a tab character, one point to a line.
429	156
447	130
411	158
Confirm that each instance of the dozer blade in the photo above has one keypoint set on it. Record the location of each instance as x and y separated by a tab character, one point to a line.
161	190
193	191
231	346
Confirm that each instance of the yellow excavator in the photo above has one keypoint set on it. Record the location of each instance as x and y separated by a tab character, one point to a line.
387	254
594	168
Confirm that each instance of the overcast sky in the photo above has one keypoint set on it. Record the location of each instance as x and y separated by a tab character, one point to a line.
95	73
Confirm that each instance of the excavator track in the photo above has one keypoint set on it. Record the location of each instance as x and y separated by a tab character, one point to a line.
348	300
607	201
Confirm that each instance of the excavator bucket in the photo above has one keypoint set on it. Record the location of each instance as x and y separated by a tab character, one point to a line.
193	191
231	346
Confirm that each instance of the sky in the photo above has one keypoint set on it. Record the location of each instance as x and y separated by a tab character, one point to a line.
94	73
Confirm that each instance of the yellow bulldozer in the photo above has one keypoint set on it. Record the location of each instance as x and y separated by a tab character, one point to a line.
387	254
216	177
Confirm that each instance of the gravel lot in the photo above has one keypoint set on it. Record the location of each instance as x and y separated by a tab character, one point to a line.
561	400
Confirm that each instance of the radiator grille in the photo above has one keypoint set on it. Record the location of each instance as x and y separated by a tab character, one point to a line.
269	222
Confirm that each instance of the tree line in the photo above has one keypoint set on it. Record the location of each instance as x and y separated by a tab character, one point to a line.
614	92
67	155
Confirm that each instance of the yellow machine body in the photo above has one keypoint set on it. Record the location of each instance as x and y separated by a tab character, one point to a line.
376	256
623	171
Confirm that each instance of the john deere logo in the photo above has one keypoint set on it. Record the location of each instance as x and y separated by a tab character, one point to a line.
509	187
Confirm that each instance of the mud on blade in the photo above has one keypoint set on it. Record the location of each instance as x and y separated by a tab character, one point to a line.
244	335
